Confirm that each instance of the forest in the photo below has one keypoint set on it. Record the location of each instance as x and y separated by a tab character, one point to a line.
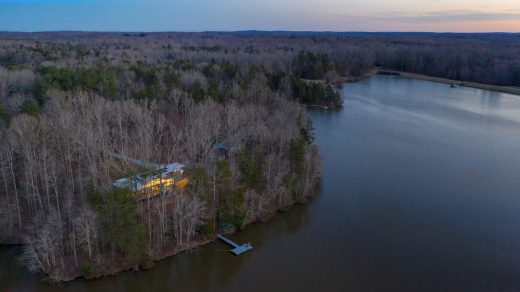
68	98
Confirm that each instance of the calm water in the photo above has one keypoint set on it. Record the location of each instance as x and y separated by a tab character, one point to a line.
421	191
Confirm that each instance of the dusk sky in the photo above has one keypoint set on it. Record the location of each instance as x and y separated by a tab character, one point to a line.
201	15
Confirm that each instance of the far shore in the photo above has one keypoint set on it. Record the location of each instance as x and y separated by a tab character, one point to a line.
503	89
380	71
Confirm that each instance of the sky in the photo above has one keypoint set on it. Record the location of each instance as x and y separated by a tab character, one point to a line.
232	15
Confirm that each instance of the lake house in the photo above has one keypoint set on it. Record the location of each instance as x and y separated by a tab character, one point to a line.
165	177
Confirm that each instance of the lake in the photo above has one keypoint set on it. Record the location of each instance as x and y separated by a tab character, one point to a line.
420	191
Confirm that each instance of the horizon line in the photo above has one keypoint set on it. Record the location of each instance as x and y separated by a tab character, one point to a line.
261	31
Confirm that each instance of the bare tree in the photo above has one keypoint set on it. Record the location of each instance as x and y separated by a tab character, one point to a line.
87	230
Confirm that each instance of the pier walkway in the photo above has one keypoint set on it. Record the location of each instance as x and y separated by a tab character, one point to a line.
237	249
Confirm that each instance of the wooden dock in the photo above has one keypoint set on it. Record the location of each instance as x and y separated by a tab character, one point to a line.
237	249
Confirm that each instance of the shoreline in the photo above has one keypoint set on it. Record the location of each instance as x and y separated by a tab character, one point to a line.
324	107
110	271
106	271
496	88
381	71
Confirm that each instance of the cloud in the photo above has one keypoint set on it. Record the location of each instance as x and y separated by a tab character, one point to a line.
448	16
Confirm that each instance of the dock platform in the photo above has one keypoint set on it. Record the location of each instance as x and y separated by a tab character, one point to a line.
237	249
